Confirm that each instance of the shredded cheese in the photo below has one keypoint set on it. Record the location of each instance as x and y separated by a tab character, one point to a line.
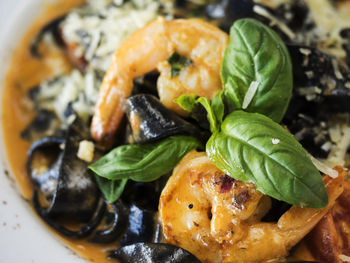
305	51
275	141
337	72
347	85
104	27
341	138
323	167
250	94
329	22
86	151
274	21
344	258
74	90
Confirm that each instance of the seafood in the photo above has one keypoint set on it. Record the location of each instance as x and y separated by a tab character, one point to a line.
218	219
149	120
329	240
204	211
148	49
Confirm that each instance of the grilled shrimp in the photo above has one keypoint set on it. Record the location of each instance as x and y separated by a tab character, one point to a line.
330	239
148	49
218	218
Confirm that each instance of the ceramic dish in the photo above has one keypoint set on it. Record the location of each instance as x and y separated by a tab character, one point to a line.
22	236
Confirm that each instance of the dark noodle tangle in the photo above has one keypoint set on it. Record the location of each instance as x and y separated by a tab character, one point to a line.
82	232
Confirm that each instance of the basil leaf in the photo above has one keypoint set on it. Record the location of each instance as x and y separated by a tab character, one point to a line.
215	108
190	104
253	148
218	107
256	53
187	102
144	163
111	189
177	63
214	126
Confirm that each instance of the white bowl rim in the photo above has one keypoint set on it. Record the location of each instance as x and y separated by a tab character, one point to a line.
23	237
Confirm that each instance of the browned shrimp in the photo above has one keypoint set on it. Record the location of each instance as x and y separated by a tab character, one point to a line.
218	218
329	241
148	49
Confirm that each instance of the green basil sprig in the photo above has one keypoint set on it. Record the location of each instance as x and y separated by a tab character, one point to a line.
146	162
255	53
177	63
253	148
249	146
111	189
215	108
141	163
188	102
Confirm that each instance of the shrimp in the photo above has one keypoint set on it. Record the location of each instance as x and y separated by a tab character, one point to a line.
148	49
330	239
218	218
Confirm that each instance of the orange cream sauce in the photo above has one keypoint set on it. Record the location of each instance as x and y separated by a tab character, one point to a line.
24	73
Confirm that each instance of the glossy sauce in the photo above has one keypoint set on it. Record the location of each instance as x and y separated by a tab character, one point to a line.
24	73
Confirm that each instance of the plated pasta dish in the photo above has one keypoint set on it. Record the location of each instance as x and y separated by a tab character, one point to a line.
186	130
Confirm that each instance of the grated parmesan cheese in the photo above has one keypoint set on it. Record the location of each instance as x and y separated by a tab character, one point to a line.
70	94
275	141
99	27
95	29
305	51
253	87
341	138
326	146
337	72
310	74
323	167
347	85
274	21
86	151
344	258
329	23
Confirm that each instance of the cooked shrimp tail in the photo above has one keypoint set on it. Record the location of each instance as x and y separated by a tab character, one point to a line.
136	56
146	50
218	218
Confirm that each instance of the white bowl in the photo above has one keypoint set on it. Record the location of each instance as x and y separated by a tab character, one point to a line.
23	238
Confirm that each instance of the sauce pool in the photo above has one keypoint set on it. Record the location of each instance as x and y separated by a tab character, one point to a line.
24	73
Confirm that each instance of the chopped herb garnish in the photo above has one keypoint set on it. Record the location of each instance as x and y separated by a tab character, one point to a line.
177	62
